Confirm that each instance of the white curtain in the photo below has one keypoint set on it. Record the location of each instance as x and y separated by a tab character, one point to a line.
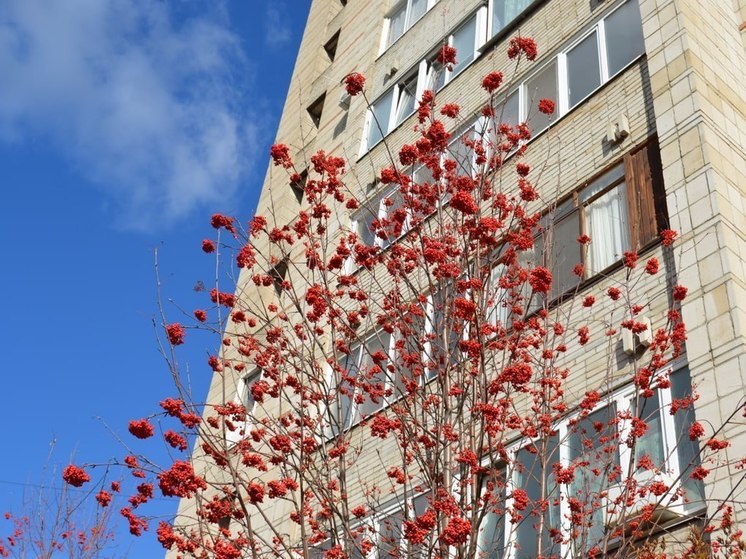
606	222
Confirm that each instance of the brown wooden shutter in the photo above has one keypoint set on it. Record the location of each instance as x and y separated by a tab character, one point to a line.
645	195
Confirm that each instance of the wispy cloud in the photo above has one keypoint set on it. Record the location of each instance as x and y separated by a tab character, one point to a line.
146	104
277	30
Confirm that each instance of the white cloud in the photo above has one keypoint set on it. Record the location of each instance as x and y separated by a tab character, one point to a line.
276	28
145	105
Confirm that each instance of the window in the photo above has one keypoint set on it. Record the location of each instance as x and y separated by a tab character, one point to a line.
388	206
466	39
244	396
569	78
366	367
390	110
621	210
331	46
592	445
502	12
299	186
315	110
278	273
387	528
403	16
399	101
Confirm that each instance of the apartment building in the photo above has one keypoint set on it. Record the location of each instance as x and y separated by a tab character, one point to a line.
649	132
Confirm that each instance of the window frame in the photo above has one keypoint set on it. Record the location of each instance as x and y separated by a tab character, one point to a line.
386	41
562	103
623	399
243	390
421	73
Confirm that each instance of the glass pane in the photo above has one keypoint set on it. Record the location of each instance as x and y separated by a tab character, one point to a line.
374	398
492	530
379	122
393	209
505	11
444	345
462	153
651	443
463	41
624	40
687	450
601	183
541	86
248	398
583	73
529	475
364	221
565	253
389	534
418	9
405	105
436	75
497	312
607	224
594	449
508	112
341	407
397	22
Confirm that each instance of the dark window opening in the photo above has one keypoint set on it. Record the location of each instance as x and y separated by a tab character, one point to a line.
299	186
278	274
331	46
315	110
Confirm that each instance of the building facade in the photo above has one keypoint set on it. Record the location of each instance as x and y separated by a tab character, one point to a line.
649	132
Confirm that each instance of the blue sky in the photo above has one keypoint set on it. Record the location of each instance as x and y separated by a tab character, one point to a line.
124	124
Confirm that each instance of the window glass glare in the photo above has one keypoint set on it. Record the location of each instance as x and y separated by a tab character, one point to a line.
464	40
541	86
607	224
529	476
651	443
419	7
407	93
505	11
687	450
379	122
624	40
583	72
601	183
593	449
397	23
364	221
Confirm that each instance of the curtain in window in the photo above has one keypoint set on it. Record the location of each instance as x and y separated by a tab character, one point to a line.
606	222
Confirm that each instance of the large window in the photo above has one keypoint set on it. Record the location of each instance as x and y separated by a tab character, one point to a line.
621	210
403	16
592	446
399	101
569	78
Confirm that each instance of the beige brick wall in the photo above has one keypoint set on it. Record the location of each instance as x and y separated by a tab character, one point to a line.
696	58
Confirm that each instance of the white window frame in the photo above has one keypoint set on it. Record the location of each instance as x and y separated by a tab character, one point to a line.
623	400
386	43
243	390
562	99
422	73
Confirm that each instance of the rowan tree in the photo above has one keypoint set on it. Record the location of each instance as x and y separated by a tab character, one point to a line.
417	386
